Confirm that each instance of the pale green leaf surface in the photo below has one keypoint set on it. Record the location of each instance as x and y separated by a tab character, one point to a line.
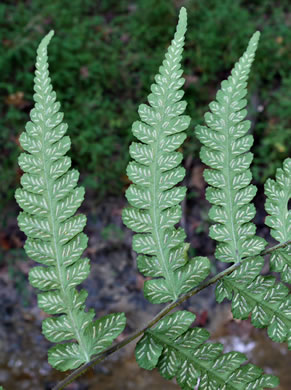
155	172
101	333
52	303
183	354
50	197
66	356
226	152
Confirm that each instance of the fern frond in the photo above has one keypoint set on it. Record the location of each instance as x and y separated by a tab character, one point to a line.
50	198
154	197
278	193
181	352
268	301
226	152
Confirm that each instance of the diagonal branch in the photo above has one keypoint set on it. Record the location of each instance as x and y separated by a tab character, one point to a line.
109	351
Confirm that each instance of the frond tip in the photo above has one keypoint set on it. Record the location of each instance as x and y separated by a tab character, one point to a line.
155	172
50	198
181	352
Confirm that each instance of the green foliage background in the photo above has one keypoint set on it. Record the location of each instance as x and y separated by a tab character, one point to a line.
103	59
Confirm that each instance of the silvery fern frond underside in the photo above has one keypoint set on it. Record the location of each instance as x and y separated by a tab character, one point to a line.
49	198
155	171
182	352
226	152
278	193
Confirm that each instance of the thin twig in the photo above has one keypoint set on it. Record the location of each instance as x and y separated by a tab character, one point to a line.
98	359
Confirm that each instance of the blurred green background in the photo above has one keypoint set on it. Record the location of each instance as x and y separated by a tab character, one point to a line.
103	58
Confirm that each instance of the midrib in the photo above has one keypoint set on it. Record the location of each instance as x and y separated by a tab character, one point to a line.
55	226
229	187
156	214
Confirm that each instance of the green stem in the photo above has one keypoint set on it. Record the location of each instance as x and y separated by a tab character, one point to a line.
109	351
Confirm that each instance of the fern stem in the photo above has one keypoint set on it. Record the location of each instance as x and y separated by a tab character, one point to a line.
109	351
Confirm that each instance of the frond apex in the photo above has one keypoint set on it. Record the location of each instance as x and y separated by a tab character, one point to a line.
46	39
